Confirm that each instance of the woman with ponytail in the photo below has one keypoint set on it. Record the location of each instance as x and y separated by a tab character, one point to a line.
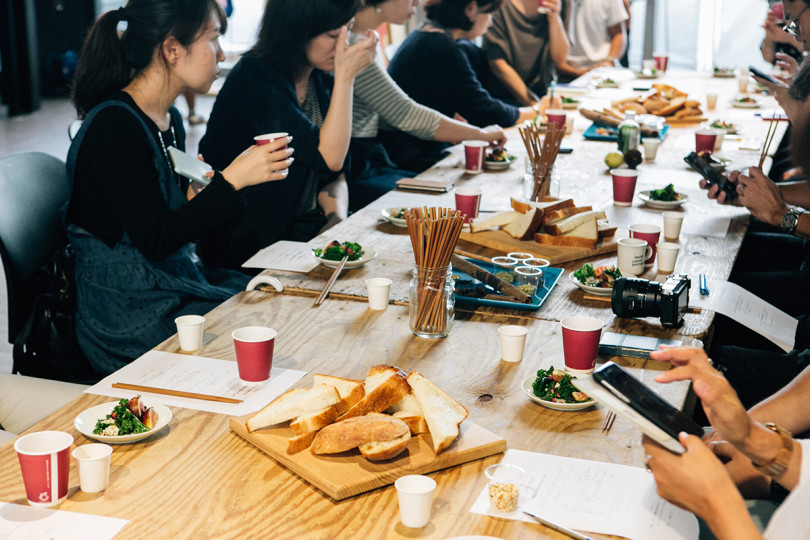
131	221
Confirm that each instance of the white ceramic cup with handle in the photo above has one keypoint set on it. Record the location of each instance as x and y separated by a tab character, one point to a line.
631	256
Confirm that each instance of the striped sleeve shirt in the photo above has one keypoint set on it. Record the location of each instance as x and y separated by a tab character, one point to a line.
378	100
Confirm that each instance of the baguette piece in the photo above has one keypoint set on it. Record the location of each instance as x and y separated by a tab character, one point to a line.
525	226
571	223
389	386
293	404
496	220
382	450
351	391
300	442
314	421
416	422
353	432
442	413
547	206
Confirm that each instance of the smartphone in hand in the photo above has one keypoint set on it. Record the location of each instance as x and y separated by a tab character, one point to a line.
189	166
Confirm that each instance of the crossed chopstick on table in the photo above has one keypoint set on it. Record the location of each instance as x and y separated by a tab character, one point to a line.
332	279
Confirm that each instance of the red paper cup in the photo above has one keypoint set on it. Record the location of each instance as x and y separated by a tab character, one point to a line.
468	200
661	61
45	462
267	138
624	186
778	11
254	352
580	342
474	156
556	116
705	140
651	234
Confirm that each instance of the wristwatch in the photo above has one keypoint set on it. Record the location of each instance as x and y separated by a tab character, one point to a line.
791	220
779	464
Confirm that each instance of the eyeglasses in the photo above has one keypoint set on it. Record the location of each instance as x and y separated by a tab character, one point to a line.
792	27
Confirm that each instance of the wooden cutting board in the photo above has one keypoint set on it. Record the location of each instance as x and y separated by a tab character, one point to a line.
347	474
504	242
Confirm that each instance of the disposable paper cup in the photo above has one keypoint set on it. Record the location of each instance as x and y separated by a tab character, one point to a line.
468	200
93	462
45	463
711	101
378	289
742	82
580	342
631	256
778	11
672	226
190	331
648	65
718	141
667	256
651	145
474	156
650	233
704	140
513	340
254	352
661	61
624	186
557	117
267	138
415	494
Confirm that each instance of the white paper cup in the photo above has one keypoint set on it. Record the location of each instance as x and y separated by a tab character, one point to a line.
718	142
711	100
190	331
513	340
667	256
672	226
648	65
650	147
93	462
632	252
378	289
415	494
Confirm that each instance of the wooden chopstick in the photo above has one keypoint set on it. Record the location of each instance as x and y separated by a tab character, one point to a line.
469	255
332	279
768	140
176	393
611	417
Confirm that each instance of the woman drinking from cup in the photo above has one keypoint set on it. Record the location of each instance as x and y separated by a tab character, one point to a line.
129	220
283	85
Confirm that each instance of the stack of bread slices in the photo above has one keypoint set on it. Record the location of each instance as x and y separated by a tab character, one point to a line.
556	223
378	416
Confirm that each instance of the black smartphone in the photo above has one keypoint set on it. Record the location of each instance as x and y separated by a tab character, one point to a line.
646	403
565	150
710	174
757	73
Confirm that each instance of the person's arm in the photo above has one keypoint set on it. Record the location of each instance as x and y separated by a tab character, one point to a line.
796	193
334	200
618	42
511	81
787	406
765	201
336	131
559	46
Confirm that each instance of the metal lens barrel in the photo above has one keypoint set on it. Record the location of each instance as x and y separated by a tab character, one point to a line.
636	298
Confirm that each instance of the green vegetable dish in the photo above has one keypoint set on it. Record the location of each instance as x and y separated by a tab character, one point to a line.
601	276
667	194
555	385
121	421
335	251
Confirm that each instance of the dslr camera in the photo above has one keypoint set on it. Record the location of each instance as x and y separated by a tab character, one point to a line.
634	297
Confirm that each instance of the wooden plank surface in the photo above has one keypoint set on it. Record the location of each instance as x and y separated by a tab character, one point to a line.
349	473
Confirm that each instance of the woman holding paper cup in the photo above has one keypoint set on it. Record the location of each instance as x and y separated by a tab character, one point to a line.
129	219
284	84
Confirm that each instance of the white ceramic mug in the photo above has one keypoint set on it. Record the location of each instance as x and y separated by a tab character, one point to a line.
631	256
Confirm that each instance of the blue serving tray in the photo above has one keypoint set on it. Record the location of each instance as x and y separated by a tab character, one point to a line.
591	134
550	275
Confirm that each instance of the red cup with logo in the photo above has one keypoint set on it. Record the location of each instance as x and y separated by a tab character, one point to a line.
474	156
650	233
468	200
556	116
661	61
624	186
267	138
45	463
254	352
705	140
580	342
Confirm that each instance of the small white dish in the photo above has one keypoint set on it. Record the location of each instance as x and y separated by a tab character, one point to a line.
526	386
368	254
644	196
389	214
745	104
722	73
647	74
499	165
598	291
85	423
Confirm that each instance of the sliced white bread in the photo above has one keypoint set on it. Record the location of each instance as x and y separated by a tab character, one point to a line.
570	223
315	420
558	215
351	391
408	403
300	442
388	387
416	422
353	432
379	374
547	206
483	223
293	404
605	229
442	413
382	450
585	235
526	225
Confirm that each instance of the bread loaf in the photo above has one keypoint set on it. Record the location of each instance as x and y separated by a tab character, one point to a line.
495	220
350	390
558	215
388	387
382	450
408	403
442	413
564	241
525	225
569	224
300	442
315	420
293	404
353	432
416	422
545	205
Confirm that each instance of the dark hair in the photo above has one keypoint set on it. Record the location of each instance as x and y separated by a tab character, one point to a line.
289	25
451	13
372	3
109	62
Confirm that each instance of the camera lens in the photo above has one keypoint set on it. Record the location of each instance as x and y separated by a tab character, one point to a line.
636	298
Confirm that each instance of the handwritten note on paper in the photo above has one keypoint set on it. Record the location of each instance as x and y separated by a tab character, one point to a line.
749	310
284	255
595	497
200	375
19	522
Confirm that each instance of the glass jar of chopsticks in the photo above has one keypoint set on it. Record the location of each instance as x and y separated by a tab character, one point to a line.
540	173
432	301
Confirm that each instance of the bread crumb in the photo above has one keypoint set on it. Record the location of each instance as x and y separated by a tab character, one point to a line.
504	496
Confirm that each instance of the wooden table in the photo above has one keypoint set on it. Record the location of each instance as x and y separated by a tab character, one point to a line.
199	480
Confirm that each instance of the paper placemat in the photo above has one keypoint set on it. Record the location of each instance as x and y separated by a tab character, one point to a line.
19	522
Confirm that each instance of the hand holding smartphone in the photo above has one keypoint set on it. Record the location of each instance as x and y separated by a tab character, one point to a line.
710	174
764	76
190	167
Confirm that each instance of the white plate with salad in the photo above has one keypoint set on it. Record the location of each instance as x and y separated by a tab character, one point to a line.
656	198
598	281
331	255
88	421
566	391
395	216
